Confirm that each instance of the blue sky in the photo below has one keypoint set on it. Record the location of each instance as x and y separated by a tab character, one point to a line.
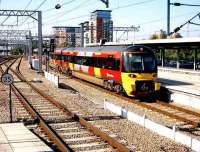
150	15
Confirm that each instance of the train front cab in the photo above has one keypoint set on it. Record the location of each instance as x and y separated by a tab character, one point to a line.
139	72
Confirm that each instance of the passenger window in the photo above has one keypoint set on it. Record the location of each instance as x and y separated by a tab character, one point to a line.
88	61
108	63
71	59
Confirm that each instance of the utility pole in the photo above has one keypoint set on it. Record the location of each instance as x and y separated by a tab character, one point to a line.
30	47
168	17
40	49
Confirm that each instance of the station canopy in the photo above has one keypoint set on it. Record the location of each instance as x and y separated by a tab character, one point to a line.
193	43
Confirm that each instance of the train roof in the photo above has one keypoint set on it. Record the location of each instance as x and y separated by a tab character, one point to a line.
117	48
97	49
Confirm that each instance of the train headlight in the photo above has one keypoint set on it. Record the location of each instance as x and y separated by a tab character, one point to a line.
132	76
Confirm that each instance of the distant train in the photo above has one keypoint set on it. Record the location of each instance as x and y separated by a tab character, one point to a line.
123	69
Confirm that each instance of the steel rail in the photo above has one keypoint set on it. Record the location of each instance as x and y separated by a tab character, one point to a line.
84	123
112	142
149	107
7	59
4	61
61	145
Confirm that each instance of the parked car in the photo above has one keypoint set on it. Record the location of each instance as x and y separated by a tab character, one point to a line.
186	65
172	63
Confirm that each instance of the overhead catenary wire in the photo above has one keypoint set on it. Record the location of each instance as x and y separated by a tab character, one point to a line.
47	10
63	4
181	26
69	11
50	9
113	9
40	5
73	18
132	4
28	4
9	16
161	19
129	5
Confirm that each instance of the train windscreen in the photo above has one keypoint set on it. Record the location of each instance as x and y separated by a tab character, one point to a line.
140	62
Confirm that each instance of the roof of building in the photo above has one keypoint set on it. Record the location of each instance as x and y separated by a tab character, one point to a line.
159	43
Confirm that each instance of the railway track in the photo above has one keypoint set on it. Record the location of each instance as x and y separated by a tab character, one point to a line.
4	60
66	130
184	117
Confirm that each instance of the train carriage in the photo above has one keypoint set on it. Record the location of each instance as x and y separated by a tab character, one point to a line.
123	69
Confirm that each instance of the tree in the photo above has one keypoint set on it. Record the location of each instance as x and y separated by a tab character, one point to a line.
154	36
159	35
16	51
35	44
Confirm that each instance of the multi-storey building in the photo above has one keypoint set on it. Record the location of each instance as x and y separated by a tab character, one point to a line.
67	36
99	27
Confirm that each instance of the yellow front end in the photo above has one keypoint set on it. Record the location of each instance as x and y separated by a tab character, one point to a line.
129	83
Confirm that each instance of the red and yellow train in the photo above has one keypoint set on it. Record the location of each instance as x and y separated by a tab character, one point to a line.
123	69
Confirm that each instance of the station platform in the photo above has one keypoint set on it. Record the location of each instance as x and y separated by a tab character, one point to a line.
184	85
15	137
